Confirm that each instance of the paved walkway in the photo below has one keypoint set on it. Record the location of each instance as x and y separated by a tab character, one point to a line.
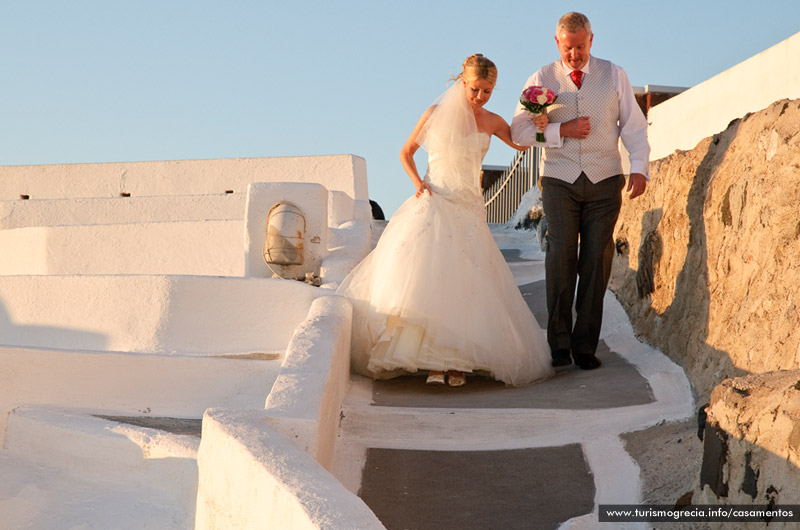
489	457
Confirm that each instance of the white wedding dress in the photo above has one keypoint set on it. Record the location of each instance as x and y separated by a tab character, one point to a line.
436	293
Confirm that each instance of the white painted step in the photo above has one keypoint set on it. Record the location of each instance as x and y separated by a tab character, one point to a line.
131	384
152	313
35	496
107	453
121	210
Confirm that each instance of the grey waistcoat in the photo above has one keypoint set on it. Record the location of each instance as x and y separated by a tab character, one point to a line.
598	154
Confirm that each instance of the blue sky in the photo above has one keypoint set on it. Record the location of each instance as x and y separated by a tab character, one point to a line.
116	80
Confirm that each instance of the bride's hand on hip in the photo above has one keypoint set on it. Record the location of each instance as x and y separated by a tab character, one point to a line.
422	188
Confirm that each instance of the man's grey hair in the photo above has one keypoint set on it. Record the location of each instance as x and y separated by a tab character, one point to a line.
574	22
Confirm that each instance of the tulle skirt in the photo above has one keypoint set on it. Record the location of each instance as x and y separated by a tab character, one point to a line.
437	294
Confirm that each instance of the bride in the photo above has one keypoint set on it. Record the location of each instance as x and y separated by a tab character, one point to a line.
436	294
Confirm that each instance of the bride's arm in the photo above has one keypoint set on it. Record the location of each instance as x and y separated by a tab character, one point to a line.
503	131
407	154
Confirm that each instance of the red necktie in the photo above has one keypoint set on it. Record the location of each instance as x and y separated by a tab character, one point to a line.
576	76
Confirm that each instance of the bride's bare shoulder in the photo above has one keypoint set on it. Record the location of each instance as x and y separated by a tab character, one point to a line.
493	122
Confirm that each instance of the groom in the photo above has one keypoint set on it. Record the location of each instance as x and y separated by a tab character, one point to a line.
582	183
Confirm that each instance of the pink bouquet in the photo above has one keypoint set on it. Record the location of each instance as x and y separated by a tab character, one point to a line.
535	99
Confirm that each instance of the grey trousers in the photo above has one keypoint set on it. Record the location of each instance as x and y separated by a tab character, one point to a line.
583	212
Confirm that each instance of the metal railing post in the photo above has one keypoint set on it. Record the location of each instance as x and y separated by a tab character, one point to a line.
504	196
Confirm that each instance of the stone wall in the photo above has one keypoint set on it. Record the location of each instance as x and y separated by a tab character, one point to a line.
707	260
707	268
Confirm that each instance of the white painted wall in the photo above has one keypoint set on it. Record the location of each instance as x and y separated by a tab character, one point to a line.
70	233
707	109
346	173
340	208
253	477
97	313
307	397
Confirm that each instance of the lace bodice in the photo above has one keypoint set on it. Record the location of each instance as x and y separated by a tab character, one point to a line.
462	175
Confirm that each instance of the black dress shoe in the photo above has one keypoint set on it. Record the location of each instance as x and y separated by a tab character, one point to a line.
561	358
587	362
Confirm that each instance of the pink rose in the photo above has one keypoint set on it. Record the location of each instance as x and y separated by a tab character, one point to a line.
532	93
527	93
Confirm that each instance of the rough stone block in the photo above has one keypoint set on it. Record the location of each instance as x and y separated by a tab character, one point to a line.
750	454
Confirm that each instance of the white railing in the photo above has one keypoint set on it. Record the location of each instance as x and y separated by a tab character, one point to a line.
503	197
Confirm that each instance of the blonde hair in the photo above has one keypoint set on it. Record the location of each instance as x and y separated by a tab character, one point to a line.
573	22
476	66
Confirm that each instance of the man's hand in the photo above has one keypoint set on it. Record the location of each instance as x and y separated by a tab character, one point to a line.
541	121
577	128
636	184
